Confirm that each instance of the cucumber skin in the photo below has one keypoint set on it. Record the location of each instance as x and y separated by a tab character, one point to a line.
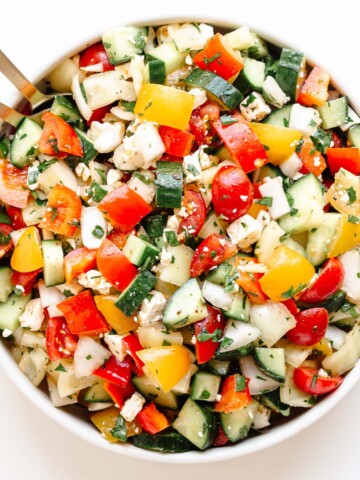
288	71
169	185
235	354
166	442
129	302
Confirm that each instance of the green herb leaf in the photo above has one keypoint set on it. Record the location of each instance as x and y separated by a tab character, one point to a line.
205	394
352	195
98	232
226	342
353	219
171	238
293	291
267	201
228	119
119	431
240	383
204	336
60	368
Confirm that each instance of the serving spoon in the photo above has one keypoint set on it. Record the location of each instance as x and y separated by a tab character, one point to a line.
13	117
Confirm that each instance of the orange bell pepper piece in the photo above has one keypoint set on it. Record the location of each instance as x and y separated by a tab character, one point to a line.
151	420
235	394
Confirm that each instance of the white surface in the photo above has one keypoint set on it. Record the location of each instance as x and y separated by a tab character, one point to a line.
30	443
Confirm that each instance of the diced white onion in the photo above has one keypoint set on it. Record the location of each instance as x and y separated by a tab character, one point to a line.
83	107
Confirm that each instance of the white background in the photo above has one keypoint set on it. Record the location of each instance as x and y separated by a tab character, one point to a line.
36	32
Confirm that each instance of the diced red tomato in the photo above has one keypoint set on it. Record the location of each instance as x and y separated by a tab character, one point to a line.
151	420
291	306
98	114
234	393
309	381
328	282
249	282
119	394
211	252
124	208
13	185
80	260
200	123
6	244
177	142
133	345
315	88
114	371
63	211
26	280
210	111
348	158
312	160
114	265
218	57
232	192
95	54
195	206
16	217
82	316
59	138
220	438
213	325
60	343
119	238
336	140
311	325
242	142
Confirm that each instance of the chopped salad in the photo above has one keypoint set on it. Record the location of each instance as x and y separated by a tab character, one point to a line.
179	240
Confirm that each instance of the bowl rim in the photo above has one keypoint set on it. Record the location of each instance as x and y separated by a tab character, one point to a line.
251	445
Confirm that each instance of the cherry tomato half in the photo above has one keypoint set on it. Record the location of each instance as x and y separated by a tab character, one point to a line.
211	252
16	217
95	54
213	324
60	343
99	114
311	325
232	192
200	123
195	206
309	381
6	244
328	282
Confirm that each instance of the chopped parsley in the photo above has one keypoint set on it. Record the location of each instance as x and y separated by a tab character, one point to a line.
204	336
171	238
293	291
98	232
353	219
240	383
205	395
60	368
267	201
352	195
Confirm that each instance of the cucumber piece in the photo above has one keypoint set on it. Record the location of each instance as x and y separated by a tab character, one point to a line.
122	42
6	286
271	361
211	225
169	184
334	113
219	274
150	391
240	308
168	441
24	146
258	49
218	89
97	394
68	111
295	246
234	354
154	72
318	238
219	367
4	146
259	382
89	152
251	77
53	262
354	136
269	170
279	118
169	55
205	386
196	423
290	74
236	425
132	297
11	310
155	224
177	272
140	252
307	205
272	400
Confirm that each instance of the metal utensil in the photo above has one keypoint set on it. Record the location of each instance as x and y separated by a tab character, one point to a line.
13	117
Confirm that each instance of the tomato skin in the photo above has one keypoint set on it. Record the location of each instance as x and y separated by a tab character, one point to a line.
311	325
195	205
114	265
220	438
211	252
119	394
291	306
348	158
115	371
215	320
16	217
80	260
95	54
232	192
58	137
315	88
60	343
133	345
13	185
307	380
26	280
200	123
328	282
336	139
7	244
177	142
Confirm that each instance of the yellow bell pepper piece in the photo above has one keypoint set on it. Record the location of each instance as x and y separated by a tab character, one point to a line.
113	315
346	238
289	272
27	255
323	347
167	365
105	421
164	105
280	142
255	209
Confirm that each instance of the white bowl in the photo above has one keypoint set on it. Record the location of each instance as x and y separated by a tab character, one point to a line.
85	429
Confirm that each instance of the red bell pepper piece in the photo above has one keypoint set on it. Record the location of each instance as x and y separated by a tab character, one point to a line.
309	381
119	238
6	244
220	438
80	260
60	343
348	158
98	114
291	306
133	345
151	420
250	282
63	211
235	394
213	325
312	160
328	282
58	137
16	217
177	142
220	58
114	371
82	316
211	252
26	280
315	88
13	185
242	142
124	208
119	394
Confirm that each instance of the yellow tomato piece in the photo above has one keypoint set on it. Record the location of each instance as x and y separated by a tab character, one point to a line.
164	105
338	193
113	315
289	272
167	365
346	238
105	421
280	141
27	255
